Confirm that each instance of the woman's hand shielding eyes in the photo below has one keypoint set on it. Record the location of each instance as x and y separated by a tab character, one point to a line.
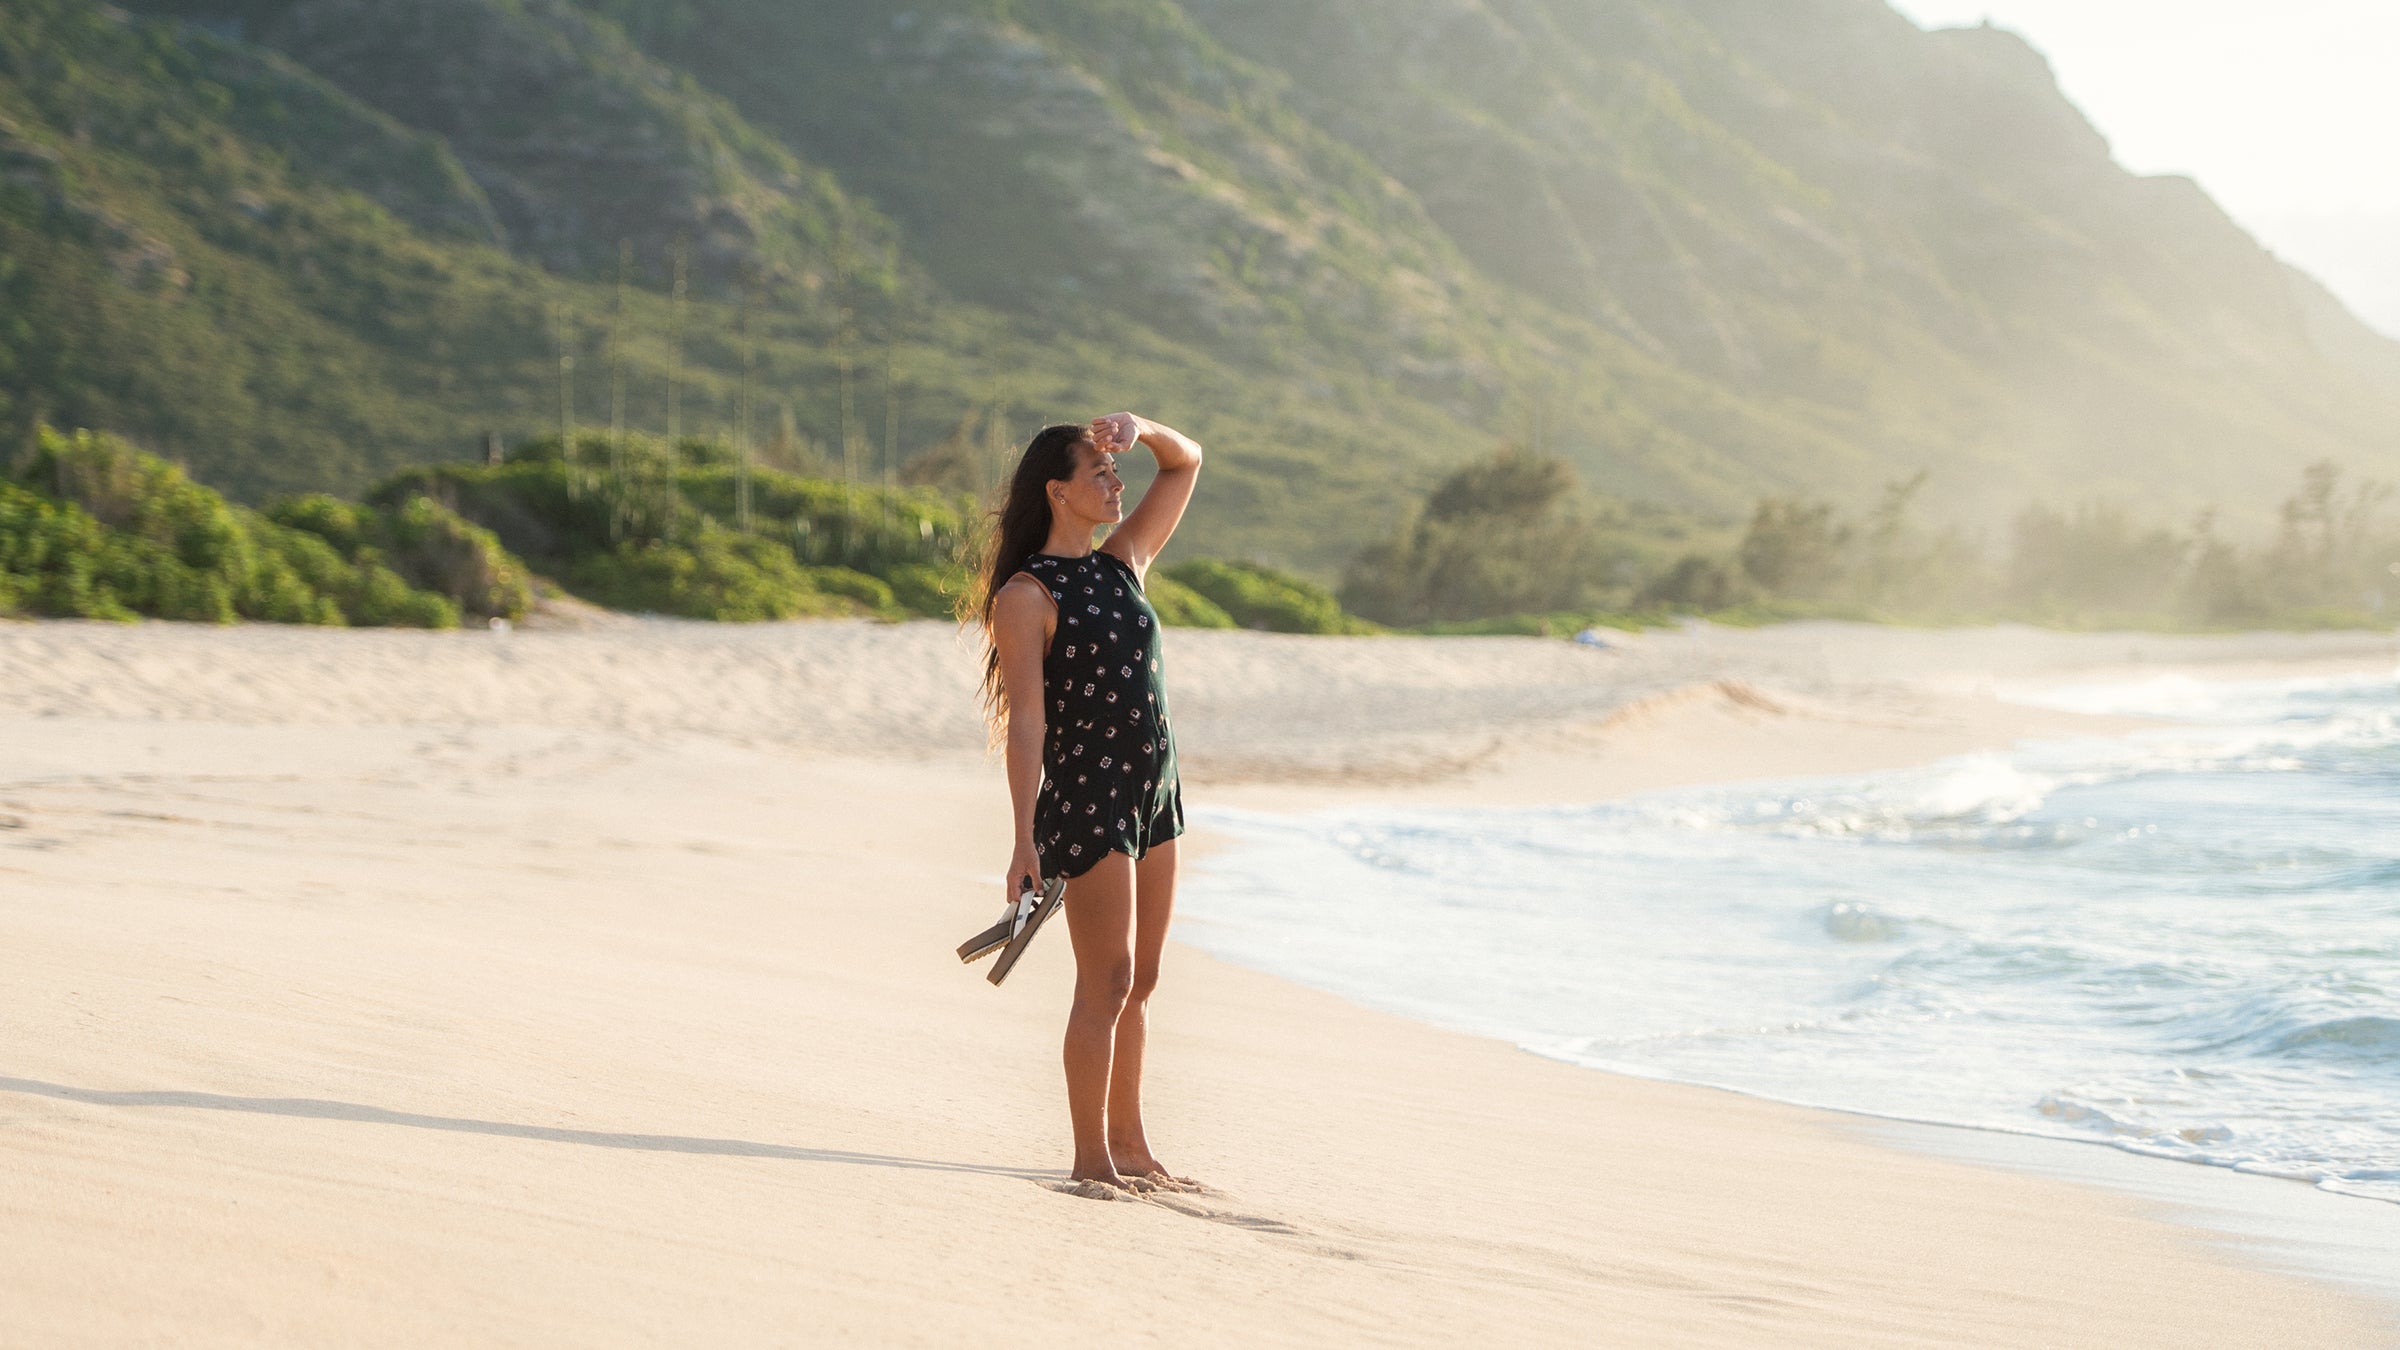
1117	433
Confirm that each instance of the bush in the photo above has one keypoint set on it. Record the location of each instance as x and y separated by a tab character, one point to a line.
2094	560
100	530
434	548
1505	535
343	526
1696	583
1261	597
599	518
1179	606
1794	547
58	560
925	590
868	593
1511	485
380	598
420	545
724	576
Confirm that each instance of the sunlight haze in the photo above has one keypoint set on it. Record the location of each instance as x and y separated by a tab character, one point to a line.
2284	113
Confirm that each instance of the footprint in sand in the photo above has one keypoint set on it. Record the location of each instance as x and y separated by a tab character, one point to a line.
1183	1204
1180	1202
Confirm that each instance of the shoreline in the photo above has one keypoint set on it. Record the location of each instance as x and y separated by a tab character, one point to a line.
2284	1223
552	956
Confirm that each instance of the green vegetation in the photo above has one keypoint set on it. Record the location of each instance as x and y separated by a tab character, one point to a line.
267	261
1510	546
299	245
687	530
1319	238
2330	563
93	528
1179	606
1513	535
425	544
1248	595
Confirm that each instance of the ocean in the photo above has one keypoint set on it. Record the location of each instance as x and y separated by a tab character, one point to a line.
2183	943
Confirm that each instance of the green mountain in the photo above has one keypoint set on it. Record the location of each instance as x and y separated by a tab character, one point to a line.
1707	250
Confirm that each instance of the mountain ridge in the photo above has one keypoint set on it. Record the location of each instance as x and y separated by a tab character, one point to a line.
1707	251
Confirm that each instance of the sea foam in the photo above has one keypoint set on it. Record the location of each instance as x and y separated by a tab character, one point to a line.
2184	943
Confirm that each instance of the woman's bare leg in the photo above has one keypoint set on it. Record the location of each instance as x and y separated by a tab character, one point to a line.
1154	908
1100	924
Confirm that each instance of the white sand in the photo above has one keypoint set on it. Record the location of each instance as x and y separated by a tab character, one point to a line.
595	988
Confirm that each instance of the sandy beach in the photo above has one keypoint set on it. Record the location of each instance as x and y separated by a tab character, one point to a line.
594	986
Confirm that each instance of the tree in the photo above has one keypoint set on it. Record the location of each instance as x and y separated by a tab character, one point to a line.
1794	548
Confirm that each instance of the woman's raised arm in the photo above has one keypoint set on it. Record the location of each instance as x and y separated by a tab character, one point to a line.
1152	521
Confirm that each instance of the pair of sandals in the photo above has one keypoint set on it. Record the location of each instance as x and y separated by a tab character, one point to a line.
1014	933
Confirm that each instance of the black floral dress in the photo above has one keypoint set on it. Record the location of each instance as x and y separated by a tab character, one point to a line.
1108	755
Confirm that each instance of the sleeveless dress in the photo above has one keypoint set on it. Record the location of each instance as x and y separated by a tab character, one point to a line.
1109	783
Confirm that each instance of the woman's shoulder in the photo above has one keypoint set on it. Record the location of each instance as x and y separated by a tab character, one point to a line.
1025	591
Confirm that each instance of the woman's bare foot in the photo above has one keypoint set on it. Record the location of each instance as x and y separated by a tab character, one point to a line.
1151	1170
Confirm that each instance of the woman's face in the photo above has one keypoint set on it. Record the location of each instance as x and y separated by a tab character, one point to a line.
1093	492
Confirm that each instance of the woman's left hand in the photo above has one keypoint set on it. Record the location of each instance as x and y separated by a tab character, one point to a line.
1118	432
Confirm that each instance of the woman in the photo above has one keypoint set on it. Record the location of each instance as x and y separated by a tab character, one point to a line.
1072	682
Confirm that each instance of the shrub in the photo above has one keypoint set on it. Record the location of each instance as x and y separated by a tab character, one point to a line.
2094	560
602	516
58	560
1696	582
344	526
100	530
1179	606
1794	547
1501	536
1511	485
419	544
926	590
869	593
1261	597
431	546
719	575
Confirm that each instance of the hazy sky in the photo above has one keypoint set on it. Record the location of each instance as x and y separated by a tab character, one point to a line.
2287	112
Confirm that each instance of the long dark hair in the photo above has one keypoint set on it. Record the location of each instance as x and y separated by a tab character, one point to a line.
1020	526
